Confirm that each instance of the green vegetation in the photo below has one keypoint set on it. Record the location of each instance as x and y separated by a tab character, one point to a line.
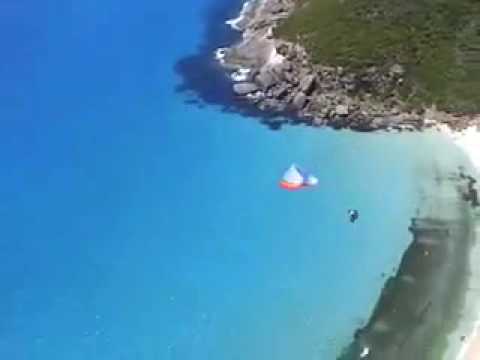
438	42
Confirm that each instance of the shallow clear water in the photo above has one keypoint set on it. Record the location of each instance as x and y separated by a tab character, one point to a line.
138	226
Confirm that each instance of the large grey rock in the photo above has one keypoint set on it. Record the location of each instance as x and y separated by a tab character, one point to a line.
380	123
281	91
280	70
255	97
397	70
323	100
319	121
348	82
291	78
341	110
274	7
307	84
265	79
286	65
299	100
244	88
272	104
283	48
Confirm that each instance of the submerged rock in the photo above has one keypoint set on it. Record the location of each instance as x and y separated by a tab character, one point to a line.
244	88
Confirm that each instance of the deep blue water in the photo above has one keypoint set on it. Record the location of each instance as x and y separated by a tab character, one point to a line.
138	226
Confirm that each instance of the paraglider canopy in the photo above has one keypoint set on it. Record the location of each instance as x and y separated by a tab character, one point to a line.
295	178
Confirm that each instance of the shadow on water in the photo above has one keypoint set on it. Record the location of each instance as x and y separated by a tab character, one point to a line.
204	81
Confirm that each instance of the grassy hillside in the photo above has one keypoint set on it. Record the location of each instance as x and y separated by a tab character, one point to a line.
438	41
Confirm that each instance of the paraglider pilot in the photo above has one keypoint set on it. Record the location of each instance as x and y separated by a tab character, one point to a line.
353	215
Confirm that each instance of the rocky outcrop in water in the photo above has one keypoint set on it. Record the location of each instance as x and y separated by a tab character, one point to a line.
282	78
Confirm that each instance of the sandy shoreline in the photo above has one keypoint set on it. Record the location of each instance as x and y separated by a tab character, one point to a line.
465	340
420	304
469	141
471	348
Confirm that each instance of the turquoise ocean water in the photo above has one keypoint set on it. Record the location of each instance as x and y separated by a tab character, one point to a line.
138	226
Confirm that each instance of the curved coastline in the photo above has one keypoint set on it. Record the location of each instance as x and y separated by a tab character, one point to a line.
468	326
284	79
203	80
233	69
430	267
419	305
429	309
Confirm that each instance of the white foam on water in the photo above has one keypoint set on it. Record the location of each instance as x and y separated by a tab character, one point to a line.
220	54
240	75
234	22
468	140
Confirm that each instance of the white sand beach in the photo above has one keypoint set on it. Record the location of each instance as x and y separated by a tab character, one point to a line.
470	350
465	341
469	141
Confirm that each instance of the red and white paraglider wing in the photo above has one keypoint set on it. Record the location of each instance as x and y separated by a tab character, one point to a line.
292	179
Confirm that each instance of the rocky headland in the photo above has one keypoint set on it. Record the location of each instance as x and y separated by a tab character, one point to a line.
279	76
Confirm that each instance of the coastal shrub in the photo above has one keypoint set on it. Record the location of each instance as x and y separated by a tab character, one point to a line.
438	42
